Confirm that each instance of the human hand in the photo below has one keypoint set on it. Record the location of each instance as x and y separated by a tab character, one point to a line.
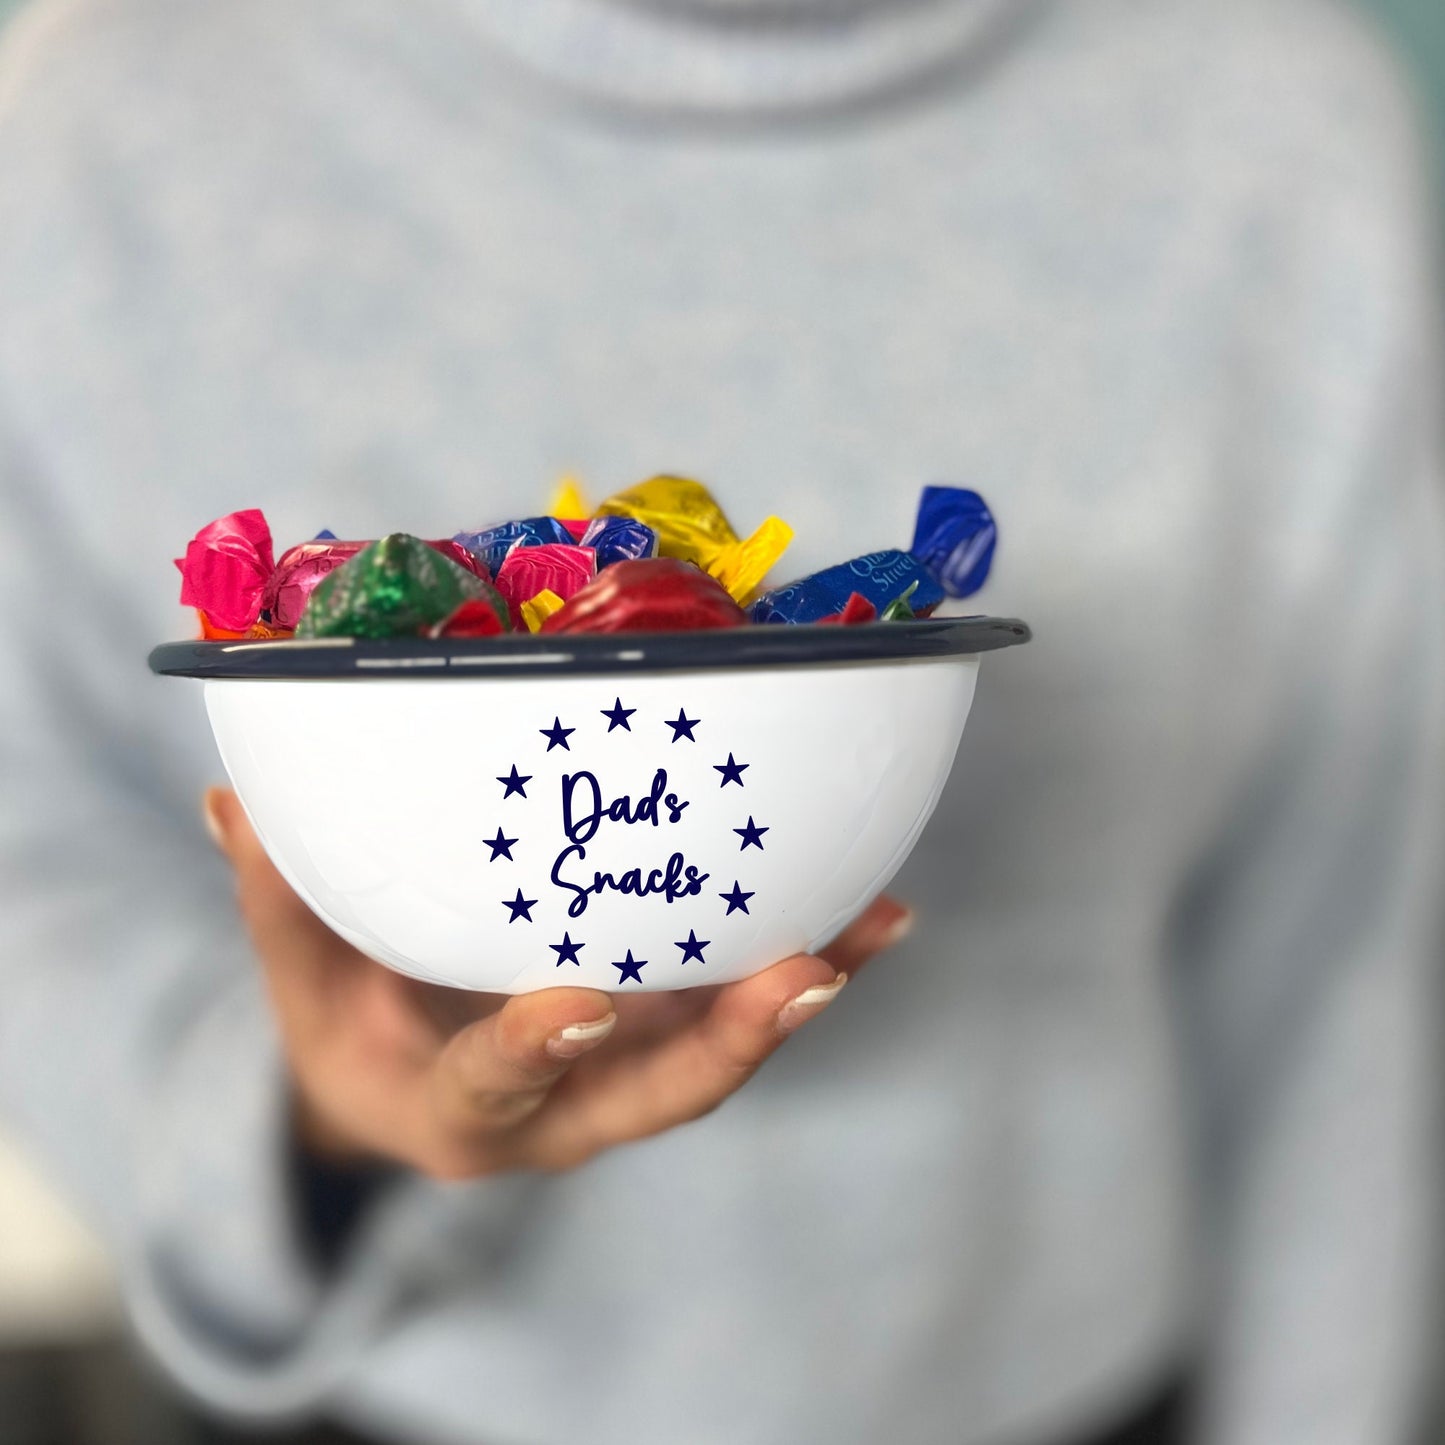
459	1084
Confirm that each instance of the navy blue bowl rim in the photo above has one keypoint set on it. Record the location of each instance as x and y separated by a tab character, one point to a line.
528	655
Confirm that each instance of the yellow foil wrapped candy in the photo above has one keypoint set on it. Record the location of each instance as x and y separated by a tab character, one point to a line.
690	525
536	610
568	504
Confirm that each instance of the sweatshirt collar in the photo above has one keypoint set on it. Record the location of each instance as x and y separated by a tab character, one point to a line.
744	58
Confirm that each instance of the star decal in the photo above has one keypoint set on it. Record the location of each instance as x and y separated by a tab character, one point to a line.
752	835
683	725
694	946
732	771
501	845
735	900
617	716
556	736
514	781
630	969
566	951
521	907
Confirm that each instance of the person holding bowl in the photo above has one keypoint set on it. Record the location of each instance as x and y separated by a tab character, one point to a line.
1142	1112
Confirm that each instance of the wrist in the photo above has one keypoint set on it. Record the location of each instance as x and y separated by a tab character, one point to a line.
318	1136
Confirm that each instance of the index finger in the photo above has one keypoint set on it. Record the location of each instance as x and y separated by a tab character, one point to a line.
498	1071
690	1073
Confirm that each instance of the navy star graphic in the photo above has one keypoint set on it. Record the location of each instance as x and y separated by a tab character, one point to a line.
694	946
630	969
566	951
617	716
683	725
736	899
521	907
731	770
556	736
752	835
501	845
513	782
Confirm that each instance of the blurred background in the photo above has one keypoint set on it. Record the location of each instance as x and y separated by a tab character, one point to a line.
66	1371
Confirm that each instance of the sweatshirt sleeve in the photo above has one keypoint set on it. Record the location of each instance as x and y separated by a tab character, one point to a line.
137	1056
1310	939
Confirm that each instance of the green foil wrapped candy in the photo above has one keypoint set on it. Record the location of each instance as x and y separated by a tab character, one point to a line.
900	609
397	587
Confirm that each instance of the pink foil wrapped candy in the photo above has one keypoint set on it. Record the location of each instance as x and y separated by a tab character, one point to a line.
301	568
552	567
225	569
297	575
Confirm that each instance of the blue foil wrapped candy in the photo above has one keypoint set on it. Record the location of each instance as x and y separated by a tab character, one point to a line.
619	539
954	537
880	577
493	543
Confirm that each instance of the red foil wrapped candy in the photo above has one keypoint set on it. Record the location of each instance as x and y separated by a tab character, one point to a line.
855	610
659	594
475	618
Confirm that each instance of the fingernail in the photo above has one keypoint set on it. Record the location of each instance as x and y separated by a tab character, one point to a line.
578	1038
212	818
901	926
809	1004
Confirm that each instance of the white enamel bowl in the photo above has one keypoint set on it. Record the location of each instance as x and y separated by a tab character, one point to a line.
615	812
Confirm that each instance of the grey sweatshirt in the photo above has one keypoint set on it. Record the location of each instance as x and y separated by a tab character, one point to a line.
1152	1086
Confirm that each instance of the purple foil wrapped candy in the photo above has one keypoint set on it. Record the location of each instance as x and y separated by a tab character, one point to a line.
619	539
492	544
954	537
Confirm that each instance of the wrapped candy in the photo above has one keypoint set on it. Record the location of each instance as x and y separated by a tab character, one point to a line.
479	617
536	610
679	565
879	577
569	507
299	573
256	632
225	569
660	594
453	550
619	539
492	544
553	567
901	608
302	567
954	537
855	610
691	526
398	586
568	504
